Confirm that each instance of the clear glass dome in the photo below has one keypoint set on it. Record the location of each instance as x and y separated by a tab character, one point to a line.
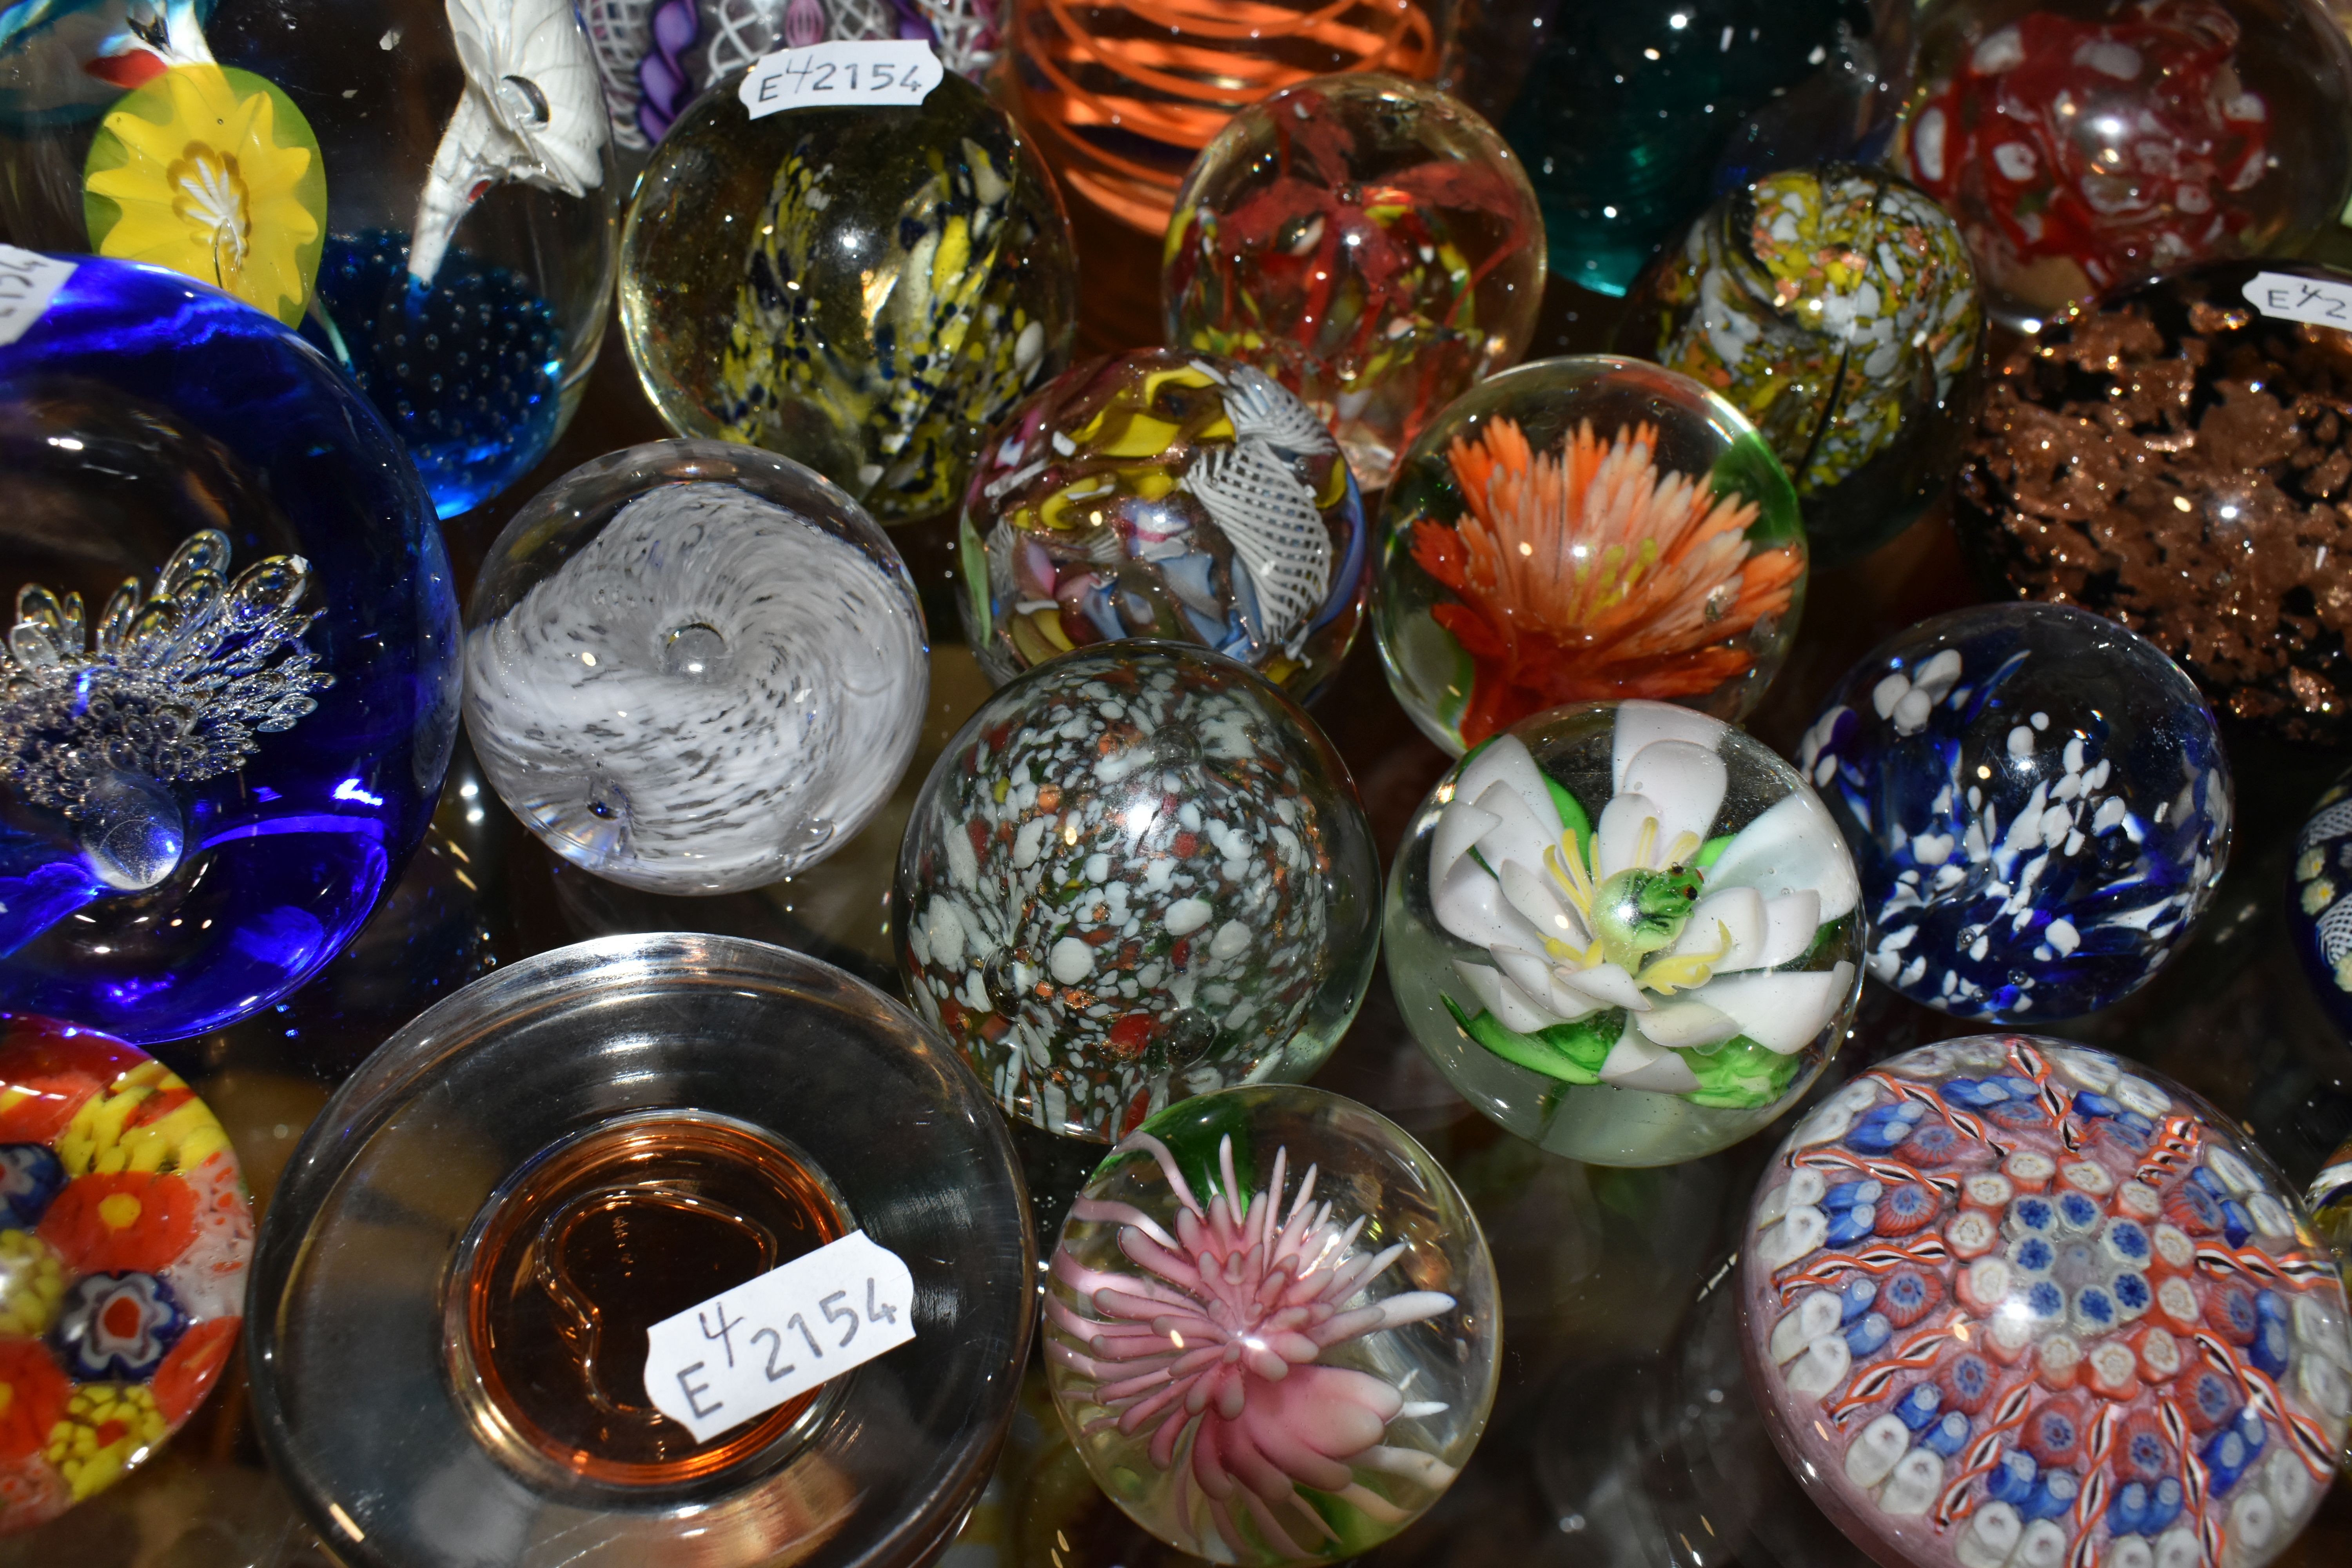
1582	529
1625	932
1272	1326
2011	1300
694	667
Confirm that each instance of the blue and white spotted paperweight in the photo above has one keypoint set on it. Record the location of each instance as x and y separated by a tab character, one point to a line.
2037	802
2319	900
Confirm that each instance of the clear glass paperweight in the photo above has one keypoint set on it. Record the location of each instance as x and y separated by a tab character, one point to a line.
694	667
1272	1326
457	1279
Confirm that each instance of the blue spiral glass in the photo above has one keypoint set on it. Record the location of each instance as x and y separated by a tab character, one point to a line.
139	411
2038	803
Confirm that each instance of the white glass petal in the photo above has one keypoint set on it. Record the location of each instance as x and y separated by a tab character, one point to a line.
1640	723
1532	896
1634	1063
1792	847
1517	834
1506	1002
1781	1012
1610	985
1469	904
1506	761
1619	832
1739	909
1687	782
1790	924
1682	1022
1458	827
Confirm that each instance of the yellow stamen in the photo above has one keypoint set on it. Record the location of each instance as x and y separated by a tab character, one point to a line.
1684	972
1643	842
1686	845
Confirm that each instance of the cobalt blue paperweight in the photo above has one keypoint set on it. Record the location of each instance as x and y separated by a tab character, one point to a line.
2038	803
230	687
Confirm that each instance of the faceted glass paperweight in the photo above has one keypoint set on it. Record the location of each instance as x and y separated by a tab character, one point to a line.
657	55
1161	494
864	289
2087	143
456	1278
231	683
1582	529
422	186
2319	903
1370	243
1137	873
1836	308
125	1232
1623	113
1125	93
2038	803
694	667
1272	1326
1625	932
2171	455
2007	1299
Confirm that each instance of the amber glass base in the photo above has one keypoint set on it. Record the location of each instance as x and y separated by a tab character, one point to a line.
584	1248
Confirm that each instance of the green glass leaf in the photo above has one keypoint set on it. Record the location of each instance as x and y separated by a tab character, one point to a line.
1740	1075
1571	1052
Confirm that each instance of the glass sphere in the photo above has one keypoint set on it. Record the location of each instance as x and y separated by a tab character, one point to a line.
2007	1299
2319	901
1623	112
2166	456
2038	804
231	685
1125	93
1166	494
2330	1199
694	667
1137	873
1836	308
657	55
455	1276
1346	1280
1582	529
422	186
1625	932
1371	244
2085	144
125	1233
866	290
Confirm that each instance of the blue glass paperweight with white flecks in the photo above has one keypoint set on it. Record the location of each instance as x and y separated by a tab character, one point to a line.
2038	803
2319	901
230	689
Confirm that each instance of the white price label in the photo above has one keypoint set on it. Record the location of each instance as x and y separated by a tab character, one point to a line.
841	72
746	1350
28	281
2317	302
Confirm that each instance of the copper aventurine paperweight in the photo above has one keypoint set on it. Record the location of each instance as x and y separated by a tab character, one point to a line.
484	1273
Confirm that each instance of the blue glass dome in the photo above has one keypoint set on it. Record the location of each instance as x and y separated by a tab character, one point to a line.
230	689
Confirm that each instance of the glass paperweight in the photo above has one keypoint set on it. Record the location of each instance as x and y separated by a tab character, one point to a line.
1625	932
1272	1327
231	682
864	289
1136	874
1577	529
1625	111
2038	804
694	667
457	1281
1370	243
2319	903
1124	94
422	186
1836	307
2087	143
657	55
1166	494
2168	456
125	1233
2006	1299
